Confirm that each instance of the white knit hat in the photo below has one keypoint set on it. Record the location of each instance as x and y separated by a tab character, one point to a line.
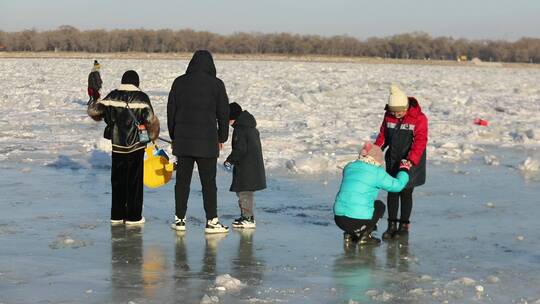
397	101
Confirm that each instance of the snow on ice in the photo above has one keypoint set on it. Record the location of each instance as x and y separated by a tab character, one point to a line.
313	117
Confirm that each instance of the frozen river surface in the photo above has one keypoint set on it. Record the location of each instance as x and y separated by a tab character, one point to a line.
473	225
475	234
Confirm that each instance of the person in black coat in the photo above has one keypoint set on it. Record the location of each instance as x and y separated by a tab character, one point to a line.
247	159
125	111
94	82
197	118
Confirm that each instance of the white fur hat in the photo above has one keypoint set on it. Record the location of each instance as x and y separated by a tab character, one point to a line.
397	101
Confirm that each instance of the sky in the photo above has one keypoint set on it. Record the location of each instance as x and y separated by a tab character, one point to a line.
472	19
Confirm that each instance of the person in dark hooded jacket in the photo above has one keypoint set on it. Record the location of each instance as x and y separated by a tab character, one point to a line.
246	159
198	122
404	132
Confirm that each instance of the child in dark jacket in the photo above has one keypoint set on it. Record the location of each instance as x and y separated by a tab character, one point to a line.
247	161
94	82
355	210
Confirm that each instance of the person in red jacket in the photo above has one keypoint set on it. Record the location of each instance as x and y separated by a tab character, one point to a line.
404	135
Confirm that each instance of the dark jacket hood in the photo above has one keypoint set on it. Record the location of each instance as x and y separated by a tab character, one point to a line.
202	61
245	120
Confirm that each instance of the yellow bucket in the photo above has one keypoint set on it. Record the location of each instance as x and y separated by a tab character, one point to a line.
157	169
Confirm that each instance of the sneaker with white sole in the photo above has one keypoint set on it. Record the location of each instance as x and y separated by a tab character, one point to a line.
139	222
244	222
214	226
179	224
117	222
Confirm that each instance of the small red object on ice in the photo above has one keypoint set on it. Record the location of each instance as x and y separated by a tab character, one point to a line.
481	122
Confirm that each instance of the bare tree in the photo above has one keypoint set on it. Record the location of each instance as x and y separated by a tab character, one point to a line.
416	45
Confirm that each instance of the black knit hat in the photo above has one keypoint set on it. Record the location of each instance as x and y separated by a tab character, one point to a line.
234	111
130	77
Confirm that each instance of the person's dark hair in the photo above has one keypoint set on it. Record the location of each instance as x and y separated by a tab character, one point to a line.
130	77
234	111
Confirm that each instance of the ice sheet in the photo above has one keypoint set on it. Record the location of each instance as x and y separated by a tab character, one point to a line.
312	117
474	234
473	226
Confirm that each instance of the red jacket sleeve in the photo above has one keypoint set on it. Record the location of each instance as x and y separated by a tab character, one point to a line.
420	139
380	138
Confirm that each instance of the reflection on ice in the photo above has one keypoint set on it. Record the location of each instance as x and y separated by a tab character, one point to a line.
397	254
354	273
469	231
126	263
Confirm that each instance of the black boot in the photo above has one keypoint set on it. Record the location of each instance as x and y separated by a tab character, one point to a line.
365	238
349	238
368	239
391	231
403	229
349	241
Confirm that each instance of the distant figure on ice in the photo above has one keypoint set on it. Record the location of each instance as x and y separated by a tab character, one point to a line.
198	121
355	210
246	158
131	123
404	131
94	82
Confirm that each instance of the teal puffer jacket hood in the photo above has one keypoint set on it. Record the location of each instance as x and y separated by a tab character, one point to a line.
360	186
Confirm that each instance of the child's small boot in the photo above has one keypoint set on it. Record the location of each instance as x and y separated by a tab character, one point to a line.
403	229
391	231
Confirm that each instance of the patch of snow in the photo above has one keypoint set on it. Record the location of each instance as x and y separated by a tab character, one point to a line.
465	281
327	109
530	165
228	283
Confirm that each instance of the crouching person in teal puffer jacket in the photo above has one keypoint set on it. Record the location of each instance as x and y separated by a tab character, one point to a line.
355	210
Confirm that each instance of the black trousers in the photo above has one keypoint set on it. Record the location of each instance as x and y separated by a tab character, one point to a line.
207	174
393	199
349	225
127	185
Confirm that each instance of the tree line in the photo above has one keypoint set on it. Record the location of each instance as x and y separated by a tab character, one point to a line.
417	45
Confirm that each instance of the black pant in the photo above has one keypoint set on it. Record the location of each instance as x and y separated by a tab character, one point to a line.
207	174
349	225
127	185
406	205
